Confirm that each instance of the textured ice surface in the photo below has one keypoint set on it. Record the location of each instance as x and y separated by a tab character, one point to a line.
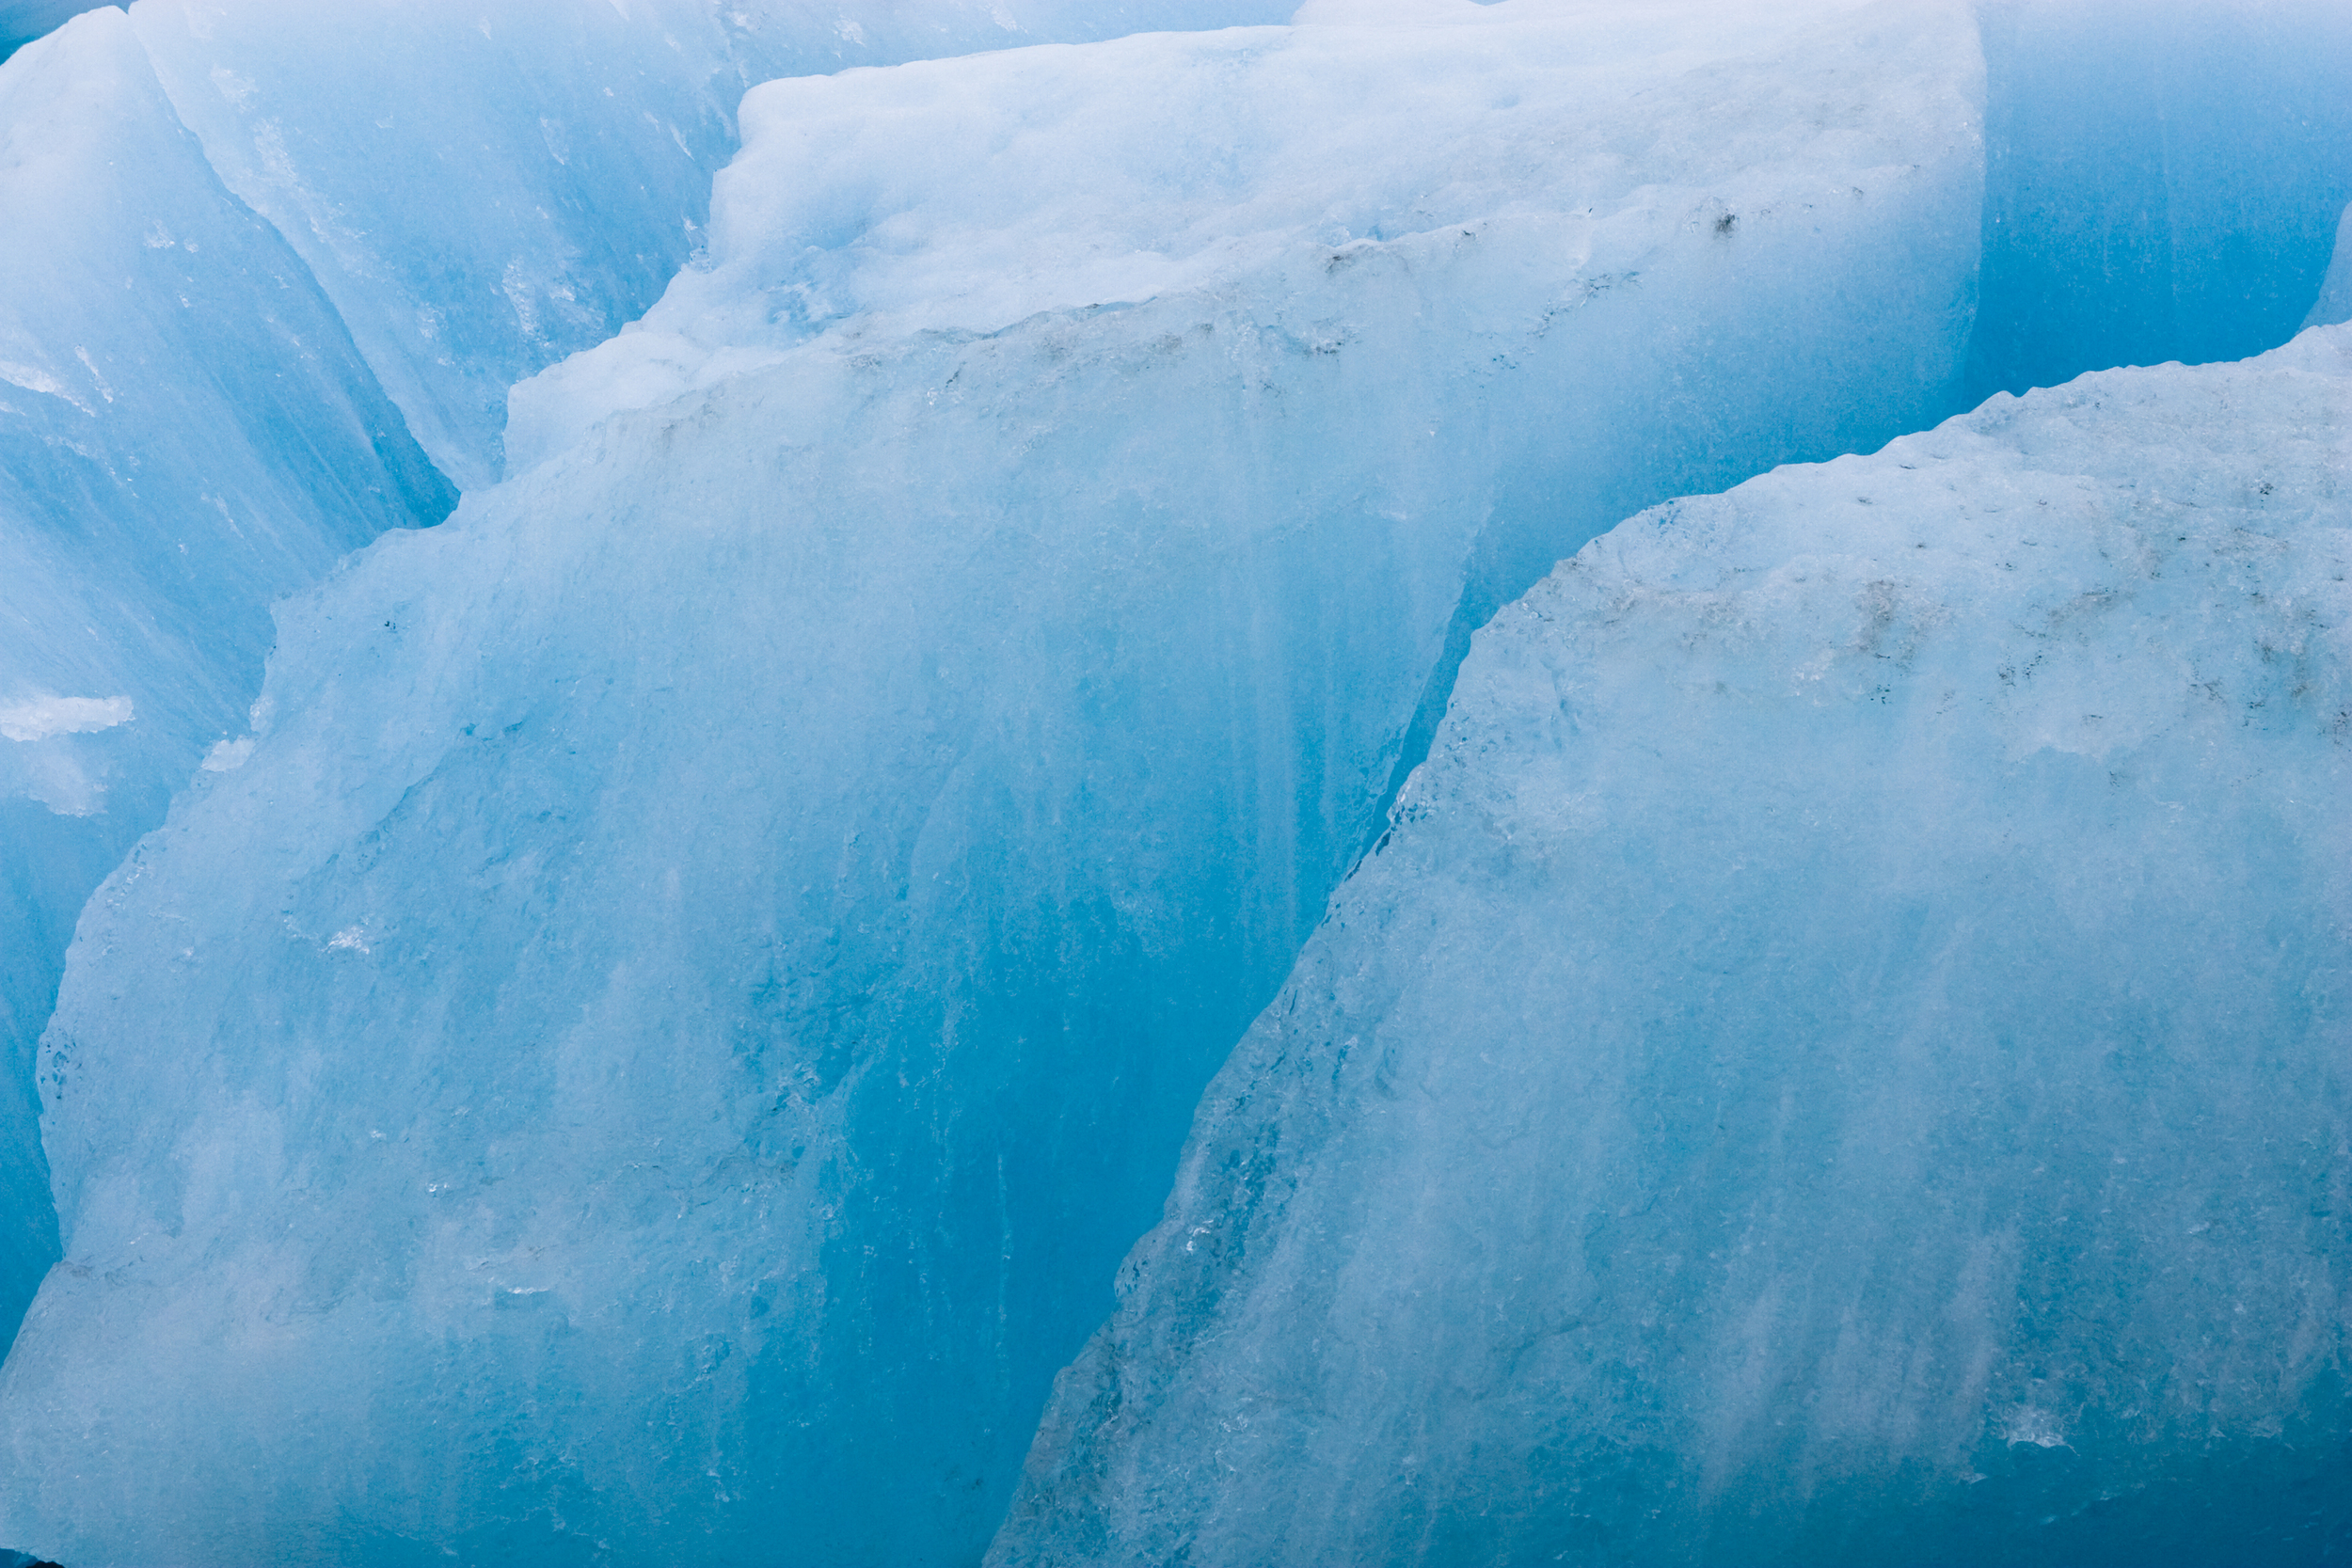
653	1044
966	195
1845	1056
186	433
189	427
482	191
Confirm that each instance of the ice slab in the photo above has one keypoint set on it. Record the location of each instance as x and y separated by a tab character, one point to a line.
964	196
482	191
1842	1058
186	433
658	1044
478	196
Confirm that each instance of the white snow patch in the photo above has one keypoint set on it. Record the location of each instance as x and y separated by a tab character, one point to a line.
34	380
43	717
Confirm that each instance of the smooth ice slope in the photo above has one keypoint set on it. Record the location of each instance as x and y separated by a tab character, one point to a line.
482	191
1846	1053
2163	179
658	1049
2334	304
185	434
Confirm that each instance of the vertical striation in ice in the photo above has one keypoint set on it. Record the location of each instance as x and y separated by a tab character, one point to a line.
659	1043
186	433
1845	1054
482	191
2163	180
2334	304
189	427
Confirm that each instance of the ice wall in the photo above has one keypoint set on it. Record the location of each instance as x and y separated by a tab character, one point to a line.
186	433
2162	181
484	192
656	1049
467	196
1842	1058
2334	304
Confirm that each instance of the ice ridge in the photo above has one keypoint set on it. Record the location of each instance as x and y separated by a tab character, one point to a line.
200	415
708	965
1842	1056
186	433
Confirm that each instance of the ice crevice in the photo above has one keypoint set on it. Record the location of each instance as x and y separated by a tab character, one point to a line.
1805	1134
691	974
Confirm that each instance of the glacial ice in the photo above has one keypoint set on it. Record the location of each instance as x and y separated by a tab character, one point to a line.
456	203
647	1040
2334	304
1842	1058
185	434
654	1041
481	192
2163	180
962	197
23	21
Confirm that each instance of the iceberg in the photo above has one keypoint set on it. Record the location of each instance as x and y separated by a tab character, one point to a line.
647	1037
1842	1056
651	1043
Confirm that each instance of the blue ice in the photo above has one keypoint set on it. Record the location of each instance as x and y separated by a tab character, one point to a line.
648	1035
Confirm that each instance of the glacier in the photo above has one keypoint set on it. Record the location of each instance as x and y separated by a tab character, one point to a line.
1842	1055
2163	180
270	271
920	941
647	1037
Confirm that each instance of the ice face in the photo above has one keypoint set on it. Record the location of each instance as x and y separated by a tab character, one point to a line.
1842	1056
185	434
681	1008
2334	304
2163	180
484	192
458	200
967	195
